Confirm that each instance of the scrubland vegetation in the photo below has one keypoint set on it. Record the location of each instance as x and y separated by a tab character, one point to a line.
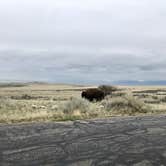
45	102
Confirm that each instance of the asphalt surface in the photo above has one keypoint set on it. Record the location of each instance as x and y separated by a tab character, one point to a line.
134	141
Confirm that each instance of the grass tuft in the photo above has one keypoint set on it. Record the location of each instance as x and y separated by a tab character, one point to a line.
125	105
75	104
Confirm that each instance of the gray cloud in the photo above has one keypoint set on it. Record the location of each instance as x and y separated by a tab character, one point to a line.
82	41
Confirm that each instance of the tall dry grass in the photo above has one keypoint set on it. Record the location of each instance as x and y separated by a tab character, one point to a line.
126	105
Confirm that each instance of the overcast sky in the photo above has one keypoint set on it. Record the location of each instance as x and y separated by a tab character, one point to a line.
82	41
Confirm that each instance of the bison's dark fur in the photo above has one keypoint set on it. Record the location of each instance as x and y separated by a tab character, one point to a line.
93	94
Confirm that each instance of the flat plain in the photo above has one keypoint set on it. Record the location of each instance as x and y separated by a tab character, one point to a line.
38	102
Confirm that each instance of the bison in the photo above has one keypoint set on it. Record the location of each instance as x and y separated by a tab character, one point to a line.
93	94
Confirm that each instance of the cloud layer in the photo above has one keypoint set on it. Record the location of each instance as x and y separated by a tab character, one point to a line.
82	41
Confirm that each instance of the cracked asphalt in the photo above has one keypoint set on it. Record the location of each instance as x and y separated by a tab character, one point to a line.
130	141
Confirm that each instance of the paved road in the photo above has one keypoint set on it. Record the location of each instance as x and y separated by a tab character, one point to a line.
131	141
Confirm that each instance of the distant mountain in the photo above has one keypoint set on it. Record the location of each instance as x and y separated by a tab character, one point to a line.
140	82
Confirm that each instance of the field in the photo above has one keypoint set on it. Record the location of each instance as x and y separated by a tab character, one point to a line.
34	102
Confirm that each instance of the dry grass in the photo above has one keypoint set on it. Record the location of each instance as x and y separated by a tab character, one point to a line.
44	102
20	111
126	105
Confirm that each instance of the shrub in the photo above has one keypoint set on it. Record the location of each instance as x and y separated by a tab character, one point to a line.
75	104
163	99
7	104
125	105
155	97
119	94
22	97
26	97
107	89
